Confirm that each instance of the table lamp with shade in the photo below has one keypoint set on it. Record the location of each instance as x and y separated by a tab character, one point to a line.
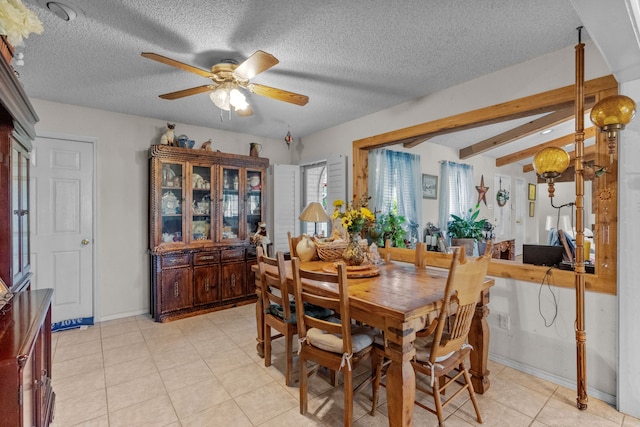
314	212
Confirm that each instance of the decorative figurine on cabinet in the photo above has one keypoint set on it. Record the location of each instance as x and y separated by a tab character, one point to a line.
169	136
261	237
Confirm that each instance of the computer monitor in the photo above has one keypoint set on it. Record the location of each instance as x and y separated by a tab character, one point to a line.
550	256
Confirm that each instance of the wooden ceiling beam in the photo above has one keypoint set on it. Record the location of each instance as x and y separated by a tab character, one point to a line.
531	151
530	128
523	107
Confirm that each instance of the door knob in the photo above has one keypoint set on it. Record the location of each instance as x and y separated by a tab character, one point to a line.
85	242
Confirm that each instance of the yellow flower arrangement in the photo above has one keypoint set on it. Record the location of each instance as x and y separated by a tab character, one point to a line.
18	21
355	216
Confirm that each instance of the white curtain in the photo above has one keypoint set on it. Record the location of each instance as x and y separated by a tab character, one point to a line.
456	191
395	179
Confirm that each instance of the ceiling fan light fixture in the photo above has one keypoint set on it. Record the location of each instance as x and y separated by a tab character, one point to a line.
221	98
238	100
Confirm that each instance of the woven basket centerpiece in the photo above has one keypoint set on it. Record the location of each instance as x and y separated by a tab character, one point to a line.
330	251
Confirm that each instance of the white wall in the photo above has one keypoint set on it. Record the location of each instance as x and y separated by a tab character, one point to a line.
628	235
121	240
528	345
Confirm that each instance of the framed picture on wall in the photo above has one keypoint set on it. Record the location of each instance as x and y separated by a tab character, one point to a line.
532	209
532	191
429	186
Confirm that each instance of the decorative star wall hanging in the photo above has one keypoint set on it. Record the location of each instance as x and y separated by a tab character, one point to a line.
482	191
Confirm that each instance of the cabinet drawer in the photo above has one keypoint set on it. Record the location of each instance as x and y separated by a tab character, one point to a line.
233	255
180	260
202	258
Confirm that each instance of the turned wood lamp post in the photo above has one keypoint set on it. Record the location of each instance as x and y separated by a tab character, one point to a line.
610	115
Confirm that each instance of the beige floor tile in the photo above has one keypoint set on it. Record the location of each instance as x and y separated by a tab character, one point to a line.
76	336
594	406
244	379
223	414
150	413
523	399
171	358
266	402
73	351
130	353
123	340
107	323
529	381
630	421
77	386
231	359
75	411
185	375
77	366
115	329
560	414
130	370
494	414
197	397
135	391
293	418
214	346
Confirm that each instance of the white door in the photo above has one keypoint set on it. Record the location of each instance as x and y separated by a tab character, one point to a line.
522	211
62	174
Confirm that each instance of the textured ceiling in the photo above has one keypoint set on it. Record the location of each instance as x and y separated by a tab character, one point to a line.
351	58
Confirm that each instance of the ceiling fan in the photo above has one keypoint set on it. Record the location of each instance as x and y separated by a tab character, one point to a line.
226	77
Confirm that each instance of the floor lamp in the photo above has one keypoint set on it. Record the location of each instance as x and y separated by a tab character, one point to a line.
610	115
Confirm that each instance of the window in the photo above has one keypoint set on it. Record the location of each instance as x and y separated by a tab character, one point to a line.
314	188
395	183
456	189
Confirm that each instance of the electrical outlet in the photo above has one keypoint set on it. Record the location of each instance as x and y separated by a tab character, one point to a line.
504	321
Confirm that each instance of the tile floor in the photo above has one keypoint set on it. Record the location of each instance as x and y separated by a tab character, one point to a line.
204	371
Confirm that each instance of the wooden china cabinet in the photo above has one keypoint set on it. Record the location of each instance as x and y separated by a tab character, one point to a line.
26	395
204	206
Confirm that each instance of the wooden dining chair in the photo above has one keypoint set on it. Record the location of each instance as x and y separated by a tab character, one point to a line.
334	343
442	349
293	243
279	312
416	255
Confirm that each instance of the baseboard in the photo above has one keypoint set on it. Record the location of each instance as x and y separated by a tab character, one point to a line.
122	315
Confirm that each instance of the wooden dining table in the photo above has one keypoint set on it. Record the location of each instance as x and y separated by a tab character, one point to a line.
399	301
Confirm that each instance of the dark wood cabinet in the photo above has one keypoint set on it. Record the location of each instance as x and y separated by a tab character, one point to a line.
204	206
17	131
25	360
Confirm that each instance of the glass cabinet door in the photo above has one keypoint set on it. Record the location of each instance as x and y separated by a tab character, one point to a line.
201	207
20	213
172	197
230	183
254	200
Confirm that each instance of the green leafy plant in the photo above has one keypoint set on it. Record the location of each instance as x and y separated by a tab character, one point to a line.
389	226
467	227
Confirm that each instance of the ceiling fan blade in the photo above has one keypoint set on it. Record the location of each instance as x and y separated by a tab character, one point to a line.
246	112
177	64
255	64
279	94
187	92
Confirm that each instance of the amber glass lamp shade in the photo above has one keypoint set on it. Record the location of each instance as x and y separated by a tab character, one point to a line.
550	162
613	112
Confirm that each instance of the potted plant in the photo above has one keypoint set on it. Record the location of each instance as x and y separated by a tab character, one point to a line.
467	230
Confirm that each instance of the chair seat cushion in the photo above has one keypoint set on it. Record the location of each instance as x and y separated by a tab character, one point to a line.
423	349
361	338
309	309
